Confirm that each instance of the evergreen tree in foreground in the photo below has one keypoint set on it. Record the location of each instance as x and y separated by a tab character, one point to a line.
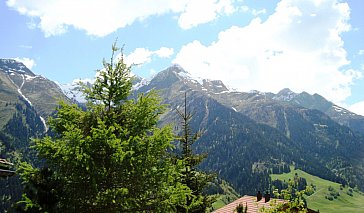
194	179
110	158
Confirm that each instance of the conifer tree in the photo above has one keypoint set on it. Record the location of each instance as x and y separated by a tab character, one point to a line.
110	158
194	179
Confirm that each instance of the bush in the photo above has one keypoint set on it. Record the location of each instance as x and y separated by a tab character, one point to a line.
329	197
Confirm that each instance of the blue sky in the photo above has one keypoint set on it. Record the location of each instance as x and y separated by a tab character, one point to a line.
305	45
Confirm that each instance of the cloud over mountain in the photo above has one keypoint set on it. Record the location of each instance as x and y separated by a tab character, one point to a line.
28	62
299	46
143	55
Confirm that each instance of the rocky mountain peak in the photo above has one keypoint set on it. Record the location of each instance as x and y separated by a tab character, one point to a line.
285	92
170	74
285	95
216	86
11	65
174	70
177	68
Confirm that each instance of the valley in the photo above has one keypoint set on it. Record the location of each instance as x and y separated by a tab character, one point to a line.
247	135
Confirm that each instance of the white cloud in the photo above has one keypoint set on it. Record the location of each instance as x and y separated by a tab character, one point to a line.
244	8
141	55
258	12
204	11
164	52
291	49
361	52
100	18
357	108
28	62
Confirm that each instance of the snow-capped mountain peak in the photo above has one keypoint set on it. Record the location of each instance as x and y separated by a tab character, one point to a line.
11	66
285	95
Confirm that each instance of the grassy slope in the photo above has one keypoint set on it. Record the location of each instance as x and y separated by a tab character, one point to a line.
317	201
8	94
219	202
229	195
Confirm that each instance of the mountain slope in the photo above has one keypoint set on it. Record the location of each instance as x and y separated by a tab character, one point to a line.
347	200
316	101
26	100
38	91
249	134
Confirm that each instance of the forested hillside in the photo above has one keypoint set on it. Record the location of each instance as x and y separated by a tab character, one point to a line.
247	136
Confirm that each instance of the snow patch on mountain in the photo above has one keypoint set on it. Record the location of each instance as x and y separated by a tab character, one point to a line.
342	110
186	75
20	92
72	90
285	95
24	78
11	66
337	108
140	83
29	77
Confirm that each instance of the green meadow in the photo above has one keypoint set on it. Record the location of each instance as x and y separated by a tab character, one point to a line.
323	199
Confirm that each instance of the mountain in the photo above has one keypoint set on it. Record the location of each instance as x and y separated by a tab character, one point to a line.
249	135
18	82
26	100
316	101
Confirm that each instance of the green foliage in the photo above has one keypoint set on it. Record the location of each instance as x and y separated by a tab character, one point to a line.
294	196
350	192
110	158
23	124
224	191
332	193
196	180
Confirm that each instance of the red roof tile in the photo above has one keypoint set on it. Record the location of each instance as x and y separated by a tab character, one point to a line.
251	202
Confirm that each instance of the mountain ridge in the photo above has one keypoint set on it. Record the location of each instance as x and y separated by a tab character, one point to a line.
37	90
247	134
307	130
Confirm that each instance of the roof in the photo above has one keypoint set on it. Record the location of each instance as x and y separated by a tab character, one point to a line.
251	202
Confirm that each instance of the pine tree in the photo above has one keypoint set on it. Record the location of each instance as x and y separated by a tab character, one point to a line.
110	158
194	179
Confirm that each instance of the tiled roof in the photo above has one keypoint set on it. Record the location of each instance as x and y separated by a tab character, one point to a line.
251	202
